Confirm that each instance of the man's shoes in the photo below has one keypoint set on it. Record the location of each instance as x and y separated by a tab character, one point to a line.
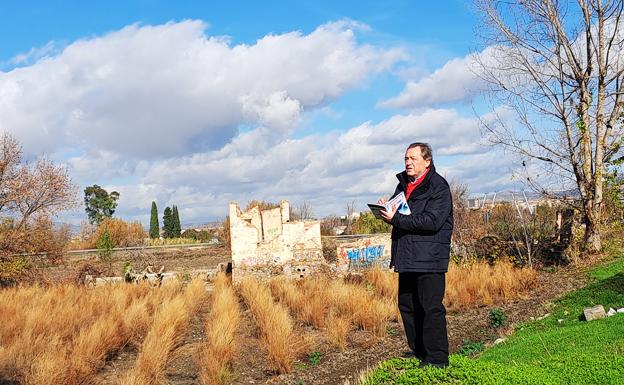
425	364
410	354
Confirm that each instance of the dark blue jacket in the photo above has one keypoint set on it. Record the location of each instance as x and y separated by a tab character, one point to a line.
421	241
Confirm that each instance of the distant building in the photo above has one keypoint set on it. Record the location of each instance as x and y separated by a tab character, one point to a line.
338	230
528	200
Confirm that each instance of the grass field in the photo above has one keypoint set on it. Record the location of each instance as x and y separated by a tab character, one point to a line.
559	349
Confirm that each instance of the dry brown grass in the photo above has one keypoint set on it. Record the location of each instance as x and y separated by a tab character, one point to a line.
386	285
367	311
481	284
220	347
307	305
322	312
467	285
170	323
63	334
337	330
385	282
274	322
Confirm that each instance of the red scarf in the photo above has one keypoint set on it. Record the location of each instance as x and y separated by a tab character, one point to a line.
412	185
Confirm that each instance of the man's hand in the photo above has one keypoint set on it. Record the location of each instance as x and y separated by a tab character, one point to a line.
389	215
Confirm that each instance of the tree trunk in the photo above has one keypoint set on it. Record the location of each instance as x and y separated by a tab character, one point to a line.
591	239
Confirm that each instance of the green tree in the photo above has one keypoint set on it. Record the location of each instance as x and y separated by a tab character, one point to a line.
168	223
105	246
368	224
154	226
177	228
99	204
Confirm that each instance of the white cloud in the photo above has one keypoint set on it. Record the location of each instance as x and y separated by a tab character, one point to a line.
328	170
486	172
167	90
456	81
32	56
169	114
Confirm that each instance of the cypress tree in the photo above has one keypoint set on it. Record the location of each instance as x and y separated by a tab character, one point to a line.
154	227
177	227
168	223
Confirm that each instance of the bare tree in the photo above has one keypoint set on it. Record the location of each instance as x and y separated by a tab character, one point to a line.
559	66
304	211
349	217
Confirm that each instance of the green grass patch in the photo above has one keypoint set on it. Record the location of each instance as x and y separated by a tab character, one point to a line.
559	349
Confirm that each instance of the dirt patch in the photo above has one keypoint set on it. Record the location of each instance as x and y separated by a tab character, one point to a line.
182	260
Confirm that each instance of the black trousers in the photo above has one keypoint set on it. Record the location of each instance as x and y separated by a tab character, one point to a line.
424	315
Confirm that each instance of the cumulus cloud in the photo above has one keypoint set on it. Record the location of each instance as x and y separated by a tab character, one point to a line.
490	171
328	170
167	113
457	80
166	90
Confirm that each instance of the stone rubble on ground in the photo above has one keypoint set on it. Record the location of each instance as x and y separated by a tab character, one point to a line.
542	317
598	311
499	341
593	313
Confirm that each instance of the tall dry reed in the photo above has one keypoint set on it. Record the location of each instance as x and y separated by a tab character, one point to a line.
220	348
63	334
481	284
323	313
467	286
385	282
386	285
309	309
367	311
170	323
274	322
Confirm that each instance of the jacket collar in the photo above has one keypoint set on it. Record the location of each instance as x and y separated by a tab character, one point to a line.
421	188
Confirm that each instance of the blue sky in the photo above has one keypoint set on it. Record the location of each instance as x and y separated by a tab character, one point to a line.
200	103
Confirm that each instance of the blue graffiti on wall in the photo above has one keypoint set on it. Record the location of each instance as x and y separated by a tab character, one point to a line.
365	256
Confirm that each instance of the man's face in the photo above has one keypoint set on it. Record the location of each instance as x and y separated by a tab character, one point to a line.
415	165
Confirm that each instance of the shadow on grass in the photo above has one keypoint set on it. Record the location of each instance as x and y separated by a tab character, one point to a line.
608	292
615	285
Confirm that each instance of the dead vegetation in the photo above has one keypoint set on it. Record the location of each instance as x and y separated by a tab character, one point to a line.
274	323
479	283
66	334
220	348
170	323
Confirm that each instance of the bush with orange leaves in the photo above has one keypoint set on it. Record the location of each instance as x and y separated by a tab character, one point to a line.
31	194
122	234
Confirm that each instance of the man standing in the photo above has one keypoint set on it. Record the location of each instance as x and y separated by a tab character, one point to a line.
421	244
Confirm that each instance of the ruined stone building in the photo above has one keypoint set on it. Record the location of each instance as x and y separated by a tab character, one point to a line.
267	242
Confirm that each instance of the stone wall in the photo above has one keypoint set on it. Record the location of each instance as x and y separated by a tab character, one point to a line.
363	252
267	242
